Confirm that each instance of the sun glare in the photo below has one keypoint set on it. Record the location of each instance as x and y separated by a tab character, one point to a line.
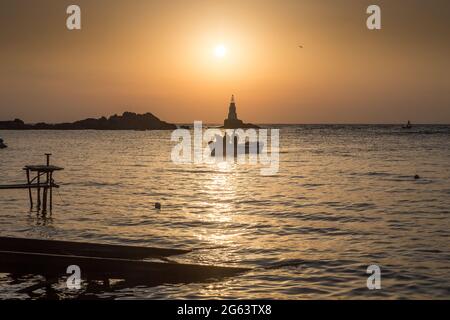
220	51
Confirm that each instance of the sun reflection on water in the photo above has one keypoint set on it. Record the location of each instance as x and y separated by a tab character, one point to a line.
222	229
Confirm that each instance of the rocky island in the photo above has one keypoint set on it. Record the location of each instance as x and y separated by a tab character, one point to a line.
127	121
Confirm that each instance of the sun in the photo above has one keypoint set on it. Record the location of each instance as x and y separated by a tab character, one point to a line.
220	51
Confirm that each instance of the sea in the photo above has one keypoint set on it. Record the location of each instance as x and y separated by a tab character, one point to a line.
345	197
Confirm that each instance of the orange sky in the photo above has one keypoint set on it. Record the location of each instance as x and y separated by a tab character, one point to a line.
157	56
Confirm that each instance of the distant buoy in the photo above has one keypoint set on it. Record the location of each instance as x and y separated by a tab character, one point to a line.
416	177
157	205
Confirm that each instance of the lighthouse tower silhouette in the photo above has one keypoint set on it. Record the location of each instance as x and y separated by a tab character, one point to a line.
232	122
232	110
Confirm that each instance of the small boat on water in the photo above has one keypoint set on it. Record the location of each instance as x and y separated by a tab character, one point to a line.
2	144
407	126
249	147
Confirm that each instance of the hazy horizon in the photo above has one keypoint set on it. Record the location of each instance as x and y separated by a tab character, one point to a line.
153	56
258	123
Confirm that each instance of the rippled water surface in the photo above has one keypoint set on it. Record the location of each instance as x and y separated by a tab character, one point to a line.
345	197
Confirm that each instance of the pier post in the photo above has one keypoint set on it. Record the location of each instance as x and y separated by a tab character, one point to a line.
51	191
44	200
48	183
29	189
38	191
48	158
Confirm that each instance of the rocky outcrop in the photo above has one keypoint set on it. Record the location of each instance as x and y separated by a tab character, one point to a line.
127	121
16	124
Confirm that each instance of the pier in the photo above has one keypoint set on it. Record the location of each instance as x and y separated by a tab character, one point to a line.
39	183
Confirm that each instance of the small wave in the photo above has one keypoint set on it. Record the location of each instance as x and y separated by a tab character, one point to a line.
198	171
93	184
380	174
296	263
312	185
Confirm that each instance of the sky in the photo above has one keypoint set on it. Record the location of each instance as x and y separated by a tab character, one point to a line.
182	60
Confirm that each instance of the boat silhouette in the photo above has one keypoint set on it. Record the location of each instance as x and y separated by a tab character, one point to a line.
231	143
407	126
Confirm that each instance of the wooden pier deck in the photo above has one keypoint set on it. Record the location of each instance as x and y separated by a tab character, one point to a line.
132	271
85	249
101	262
27	186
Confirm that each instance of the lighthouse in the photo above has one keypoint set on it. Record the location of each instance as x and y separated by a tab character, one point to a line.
232	110
232	122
